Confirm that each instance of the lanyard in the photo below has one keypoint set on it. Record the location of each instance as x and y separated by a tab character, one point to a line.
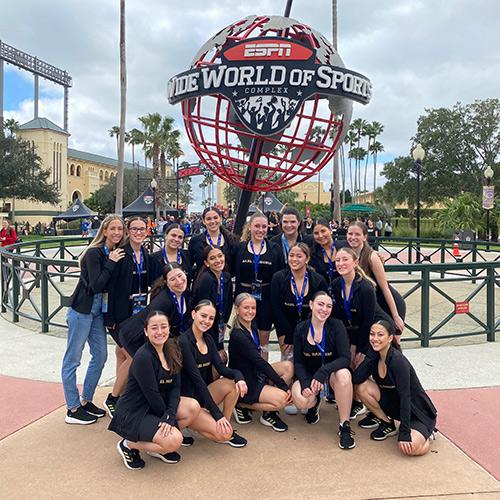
139	267
255	338
221	296
106	250
286	247
299	298
180	309
321	345
256	257
211	243
330	261
347	301
165	258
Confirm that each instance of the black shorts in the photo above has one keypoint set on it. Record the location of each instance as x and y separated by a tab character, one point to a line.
115	335
148	427
253	394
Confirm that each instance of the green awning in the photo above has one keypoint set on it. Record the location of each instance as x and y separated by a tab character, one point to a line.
357	207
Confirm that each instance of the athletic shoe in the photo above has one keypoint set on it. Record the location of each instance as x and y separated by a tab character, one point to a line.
357	408
312	415
168	458
110	404
94	410
384	430
131	458
236	441
291	410
80	416
242	415
187	441
346	441
370	421
272	419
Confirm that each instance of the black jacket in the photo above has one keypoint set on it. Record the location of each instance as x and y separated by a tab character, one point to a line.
186	266
337	343
95	275
120	288
142	394
132	329
193	384
285	313
413	400
245	356
198	243
305	238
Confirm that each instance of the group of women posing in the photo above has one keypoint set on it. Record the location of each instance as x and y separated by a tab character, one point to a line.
337	320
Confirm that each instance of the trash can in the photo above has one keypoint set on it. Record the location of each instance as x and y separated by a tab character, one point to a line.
465	236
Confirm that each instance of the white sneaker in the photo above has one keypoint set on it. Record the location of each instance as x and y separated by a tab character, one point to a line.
291	410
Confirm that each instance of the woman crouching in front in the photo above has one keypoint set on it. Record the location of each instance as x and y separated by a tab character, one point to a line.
150	412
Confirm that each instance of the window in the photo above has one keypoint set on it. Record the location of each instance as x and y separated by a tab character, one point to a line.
72	170
78	171
101	175
106	175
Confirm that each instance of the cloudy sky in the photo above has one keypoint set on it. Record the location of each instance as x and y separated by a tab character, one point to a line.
418	53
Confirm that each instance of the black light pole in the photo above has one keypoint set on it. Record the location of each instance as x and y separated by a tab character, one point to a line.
418	155
487	205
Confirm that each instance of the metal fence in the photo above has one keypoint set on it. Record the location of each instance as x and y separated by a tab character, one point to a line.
448	295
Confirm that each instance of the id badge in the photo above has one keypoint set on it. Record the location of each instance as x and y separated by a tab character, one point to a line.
222	331
104	306
257	289
139	302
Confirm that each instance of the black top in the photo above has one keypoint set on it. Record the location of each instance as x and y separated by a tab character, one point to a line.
363	308
277	240
413	400
307	357
159	260
132	329
198	243
124	283
150	389
285	311
95	275
244	355
317	262
195	377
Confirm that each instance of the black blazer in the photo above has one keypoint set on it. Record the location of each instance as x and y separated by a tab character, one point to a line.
413	400
132	329
120	287
245	356
95	275
302	238
336	340
193	384
198	243
142	394
285	313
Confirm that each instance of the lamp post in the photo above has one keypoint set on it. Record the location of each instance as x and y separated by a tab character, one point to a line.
305	204
418	155
154	185
488	202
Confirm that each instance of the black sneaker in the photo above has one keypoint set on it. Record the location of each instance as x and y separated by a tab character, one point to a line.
110	404
312	415
236	441
80	416
187	441
370	421
357	408
168	458
242	415
131	458
94	410
330	398
384	430
272	419
346	441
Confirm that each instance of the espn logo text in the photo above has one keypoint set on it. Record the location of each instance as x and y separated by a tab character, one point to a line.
268	50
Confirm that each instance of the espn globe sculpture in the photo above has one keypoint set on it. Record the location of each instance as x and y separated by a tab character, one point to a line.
266	102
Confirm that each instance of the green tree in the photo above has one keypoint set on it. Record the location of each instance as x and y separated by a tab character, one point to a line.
231	194
287	196
21	172
463	212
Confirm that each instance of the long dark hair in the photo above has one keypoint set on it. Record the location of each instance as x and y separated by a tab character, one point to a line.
161	283
229	237
171	348
391	330
205	269
366	251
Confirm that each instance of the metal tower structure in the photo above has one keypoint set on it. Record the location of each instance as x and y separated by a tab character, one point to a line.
39	68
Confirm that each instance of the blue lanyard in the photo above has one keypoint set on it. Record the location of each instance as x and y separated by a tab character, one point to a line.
255	338
211	243
286	247
165	258
106	250
139	267
299	298
221	296
347	301
330	261
180	309
320	346
256	257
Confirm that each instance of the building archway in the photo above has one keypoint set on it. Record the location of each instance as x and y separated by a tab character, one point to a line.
76	195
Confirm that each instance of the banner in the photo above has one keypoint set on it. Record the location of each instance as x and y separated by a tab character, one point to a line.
488	197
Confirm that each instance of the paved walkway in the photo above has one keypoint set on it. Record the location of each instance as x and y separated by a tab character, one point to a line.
42	457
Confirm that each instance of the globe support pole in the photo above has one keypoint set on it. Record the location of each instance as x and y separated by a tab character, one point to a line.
250	176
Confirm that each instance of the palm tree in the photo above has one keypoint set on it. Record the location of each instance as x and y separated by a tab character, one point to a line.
350	139
115	132
359	126
123	111
12	125
135	137
375	148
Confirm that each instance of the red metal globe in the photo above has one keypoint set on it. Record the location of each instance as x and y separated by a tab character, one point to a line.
287	158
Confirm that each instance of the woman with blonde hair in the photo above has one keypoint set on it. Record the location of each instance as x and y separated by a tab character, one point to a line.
85	318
